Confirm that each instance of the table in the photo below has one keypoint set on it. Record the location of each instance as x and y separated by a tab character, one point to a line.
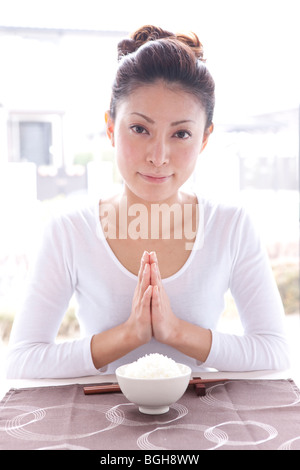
247	411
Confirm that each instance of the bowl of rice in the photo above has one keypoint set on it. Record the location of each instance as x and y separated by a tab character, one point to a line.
154	382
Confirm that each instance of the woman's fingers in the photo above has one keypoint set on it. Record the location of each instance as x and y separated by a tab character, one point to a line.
146	299
143	275
155	273
145	281
152	257
145	259
155	297
149	275
140	318
155	277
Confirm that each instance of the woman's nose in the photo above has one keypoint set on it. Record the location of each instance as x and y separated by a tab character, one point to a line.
158	154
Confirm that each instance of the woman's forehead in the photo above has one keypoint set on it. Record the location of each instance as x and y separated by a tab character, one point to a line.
161	99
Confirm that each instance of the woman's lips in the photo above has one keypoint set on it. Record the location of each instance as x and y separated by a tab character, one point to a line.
155	178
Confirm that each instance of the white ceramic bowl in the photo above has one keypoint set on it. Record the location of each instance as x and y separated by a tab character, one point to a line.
154	396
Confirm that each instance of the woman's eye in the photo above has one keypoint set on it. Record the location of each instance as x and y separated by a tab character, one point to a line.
183	134
138	129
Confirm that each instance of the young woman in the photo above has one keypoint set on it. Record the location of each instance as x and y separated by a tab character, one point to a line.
150	266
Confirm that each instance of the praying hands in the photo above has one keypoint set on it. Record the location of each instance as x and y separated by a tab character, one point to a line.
151	313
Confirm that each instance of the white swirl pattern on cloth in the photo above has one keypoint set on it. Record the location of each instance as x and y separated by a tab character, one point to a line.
236	414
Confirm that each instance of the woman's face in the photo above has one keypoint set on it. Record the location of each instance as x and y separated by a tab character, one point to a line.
158	134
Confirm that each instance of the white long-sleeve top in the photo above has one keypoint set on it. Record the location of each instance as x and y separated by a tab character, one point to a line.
76	258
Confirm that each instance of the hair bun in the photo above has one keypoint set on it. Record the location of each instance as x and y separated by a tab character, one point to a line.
152	33
126	46
191	39
140	37
149	33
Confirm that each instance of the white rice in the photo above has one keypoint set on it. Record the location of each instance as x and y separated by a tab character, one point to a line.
152	366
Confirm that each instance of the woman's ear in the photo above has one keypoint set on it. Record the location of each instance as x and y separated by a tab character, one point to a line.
110	127
206	135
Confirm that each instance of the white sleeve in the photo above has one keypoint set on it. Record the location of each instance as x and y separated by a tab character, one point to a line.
33	352
263	346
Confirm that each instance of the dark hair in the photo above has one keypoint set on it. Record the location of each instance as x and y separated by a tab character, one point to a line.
152	53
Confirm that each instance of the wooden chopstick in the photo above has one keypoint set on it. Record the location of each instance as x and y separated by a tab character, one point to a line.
199	385
104	388
198	380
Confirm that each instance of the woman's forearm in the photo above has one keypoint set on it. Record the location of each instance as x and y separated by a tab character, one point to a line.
40	360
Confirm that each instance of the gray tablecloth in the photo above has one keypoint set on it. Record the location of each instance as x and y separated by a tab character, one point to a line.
236	414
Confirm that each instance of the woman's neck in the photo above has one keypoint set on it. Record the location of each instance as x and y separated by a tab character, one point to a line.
132	199
136	218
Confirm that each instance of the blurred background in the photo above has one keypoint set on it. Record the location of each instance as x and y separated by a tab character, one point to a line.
58	59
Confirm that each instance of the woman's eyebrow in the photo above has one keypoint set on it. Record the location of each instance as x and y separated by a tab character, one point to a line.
176	123
145	117
181	122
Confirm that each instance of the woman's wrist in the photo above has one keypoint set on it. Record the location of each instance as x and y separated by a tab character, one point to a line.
192	340
112	344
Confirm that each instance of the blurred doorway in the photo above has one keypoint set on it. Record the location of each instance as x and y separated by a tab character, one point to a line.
35	142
